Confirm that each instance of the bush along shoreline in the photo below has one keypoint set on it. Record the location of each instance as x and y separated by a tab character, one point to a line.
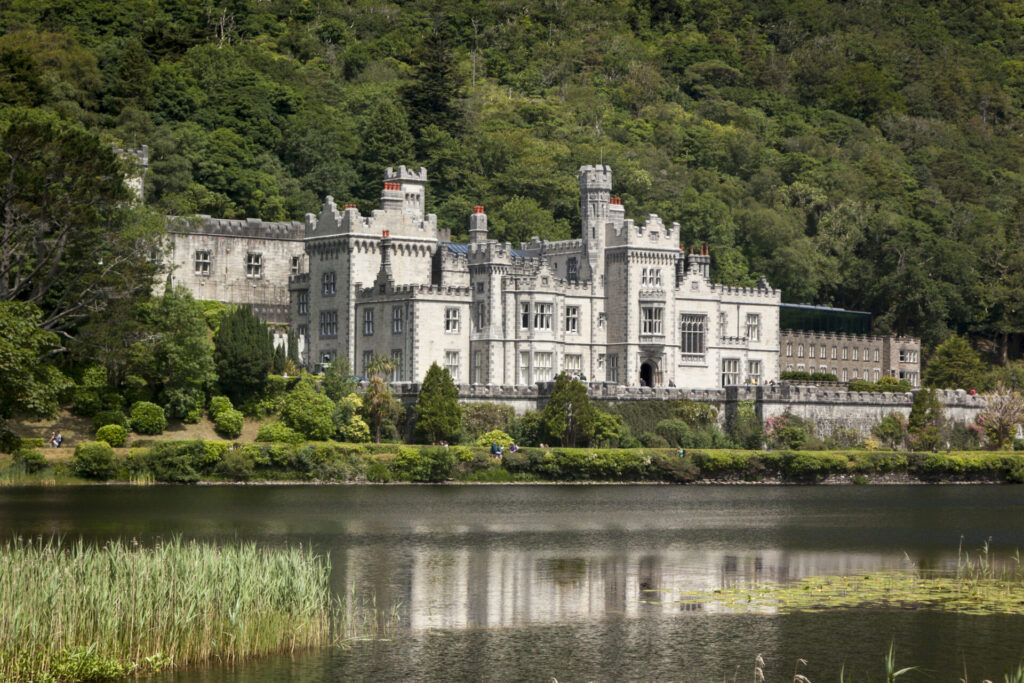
190	462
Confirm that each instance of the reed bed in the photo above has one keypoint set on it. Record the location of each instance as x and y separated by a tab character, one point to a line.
72	611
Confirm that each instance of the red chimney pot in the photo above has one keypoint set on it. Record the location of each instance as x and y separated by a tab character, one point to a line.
478	209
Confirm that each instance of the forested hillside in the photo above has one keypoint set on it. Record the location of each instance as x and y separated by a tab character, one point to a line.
864	154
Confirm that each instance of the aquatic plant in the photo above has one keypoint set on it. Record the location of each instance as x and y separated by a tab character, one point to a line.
73	611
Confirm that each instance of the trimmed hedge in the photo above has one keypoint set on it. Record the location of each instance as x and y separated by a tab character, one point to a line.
229	423
191	461
93	460
113	434
148	418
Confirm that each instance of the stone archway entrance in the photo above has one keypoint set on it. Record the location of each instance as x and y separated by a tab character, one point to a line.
647	374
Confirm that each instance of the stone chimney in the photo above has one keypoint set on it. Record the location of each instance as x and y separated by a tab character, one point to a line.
478	225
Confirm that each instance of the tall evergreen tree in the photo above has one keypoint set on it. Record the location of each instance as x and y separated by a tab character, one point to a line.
568	415
293	346
243	353
438	414
435	96
954	365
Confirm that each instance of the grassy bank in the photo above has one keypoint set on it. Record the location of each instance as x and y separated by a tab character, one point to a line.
194	461
72	612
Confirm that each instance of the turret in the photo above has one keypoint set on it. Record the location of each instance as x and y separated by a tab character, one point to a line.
478	225
404	190
595	211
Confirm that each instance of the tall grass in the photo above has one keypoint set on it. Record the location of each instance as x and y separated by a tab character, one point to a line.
71	610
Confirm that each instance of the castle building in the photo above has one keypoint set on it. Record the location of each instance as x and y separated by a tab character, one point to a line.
839	342
623	304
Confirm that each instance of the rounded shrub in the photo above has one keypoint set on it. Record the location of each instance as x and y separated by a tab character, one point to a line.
675	432
93	460
228	423
148	418
115	435
650	440
494	436
276	432
109	417
30	460
219	404
236	466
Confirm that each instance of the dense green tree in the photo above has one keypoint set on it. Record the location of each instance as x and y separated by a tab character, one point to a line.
568	415
954	365
438	414
308	411
243	354
176	356
72	240
28	384
926	420
338	381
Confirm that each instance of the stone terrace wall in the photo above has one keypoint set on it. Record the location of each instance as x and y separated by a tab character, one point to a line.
826	408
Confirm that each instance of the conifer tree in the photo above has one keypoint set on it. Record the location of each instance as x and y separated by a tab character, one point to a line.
243	353
438	414
568	415
293	346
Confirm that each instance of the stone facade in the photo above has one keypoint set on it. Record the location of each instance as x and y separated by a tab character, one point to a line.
245	261
851	356
623	304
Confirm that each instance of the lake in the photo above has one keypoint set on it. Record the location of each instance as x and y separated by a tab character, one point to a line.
533	582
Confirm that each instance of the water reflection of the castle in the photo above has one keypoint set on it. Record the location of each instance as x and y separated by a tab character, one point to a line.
467	588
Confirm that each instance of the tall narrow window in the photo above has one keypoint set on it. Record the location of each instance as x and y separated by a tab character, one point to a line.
723	324
800	351
253	265
296	263
611	369
730	372
478	362
572	269
524	367
846	352
789	349
691	333
651	320
451	320
367	321
876	360
753	327
451	363
572	363
396	358
543	369
328	283
811	352
481	316
524	315
202	262
834	350
855	353
754	371
572	319
396	320
542	316
303	303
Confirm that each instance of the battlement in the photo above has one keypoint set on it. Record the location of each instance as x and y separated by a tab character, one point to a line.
140	155
838	337
595	177
413	291
230	227
652	233
749	293
405	174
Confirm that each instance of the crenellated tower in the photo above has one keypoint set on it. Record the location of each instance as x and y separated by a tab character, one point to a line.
595	213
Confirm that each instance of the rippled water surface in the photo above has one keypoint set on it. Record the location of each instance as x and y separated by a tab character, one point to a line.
535	582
